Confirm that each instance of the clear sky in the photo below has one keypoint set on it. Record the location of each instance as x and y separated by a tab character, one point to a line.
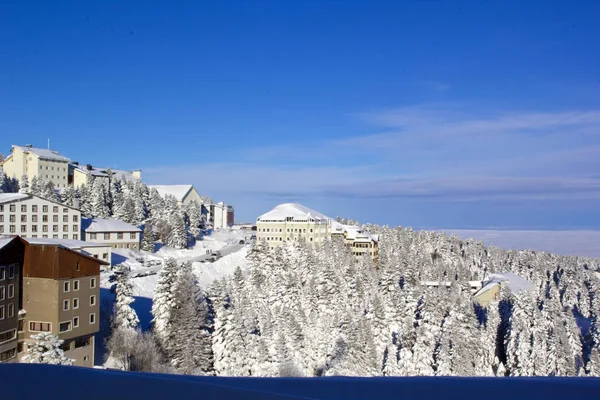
446	114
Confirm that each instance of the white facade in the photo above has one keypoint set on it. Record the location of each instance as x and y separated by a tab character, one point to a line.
220	215
45	164
184	194
291	220
30	216
111	232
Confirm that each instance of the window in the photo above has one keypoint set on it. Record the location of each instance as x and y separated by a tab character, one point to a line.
120	235
45	209
12	229
8	354
75	303
54	236
65	228
23	208
1	312
93	236
54	228
77	268
66	304
34	228
1	208
76	322
34	208
76	283
44	218
311	231
12	208
2	273
55	209
75	237
82	342
44	236
34	218
132	235
11	291
65	209
75	219
2	292
44	228
67	286
11	272
1	228
12	218
106	236
74	228
64	326
23	218
23	228
1	218
11	310
55	218
65	236
92	318
65	218
92	300
20	347
105	256
8	335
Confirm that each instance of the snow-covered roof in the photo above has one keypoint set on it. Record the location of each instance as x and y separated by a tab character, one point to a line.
70	244
512	281
122	174
178	191
90	225
4	240
295	211
103	172
85	170
45	154
8	197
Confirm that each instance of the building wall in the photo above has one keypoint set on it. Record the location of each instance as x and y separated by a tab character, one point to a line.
275	233
191	196
486	297
221	215
29	223
127	242
11	259
20	163
79	178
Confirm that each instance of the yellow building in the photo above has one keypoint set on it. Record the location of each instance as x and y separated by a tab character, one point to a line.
30	161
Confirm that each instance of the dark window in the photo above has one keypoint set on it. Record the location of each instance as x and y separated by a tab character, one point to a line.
65	326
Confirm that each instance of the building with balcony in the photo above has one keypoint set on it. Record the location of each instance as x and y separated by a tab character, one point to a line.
30	161
114	233
220	215
31	216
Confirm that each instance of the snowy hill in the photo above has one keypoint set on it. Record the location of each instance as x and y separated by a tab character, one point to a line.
93	384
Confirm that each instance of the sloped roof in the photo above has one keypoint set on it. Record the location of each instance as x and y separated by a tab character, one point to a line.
45	154
4	240
71	244
178	191
514	283
295	211
91	225
8	197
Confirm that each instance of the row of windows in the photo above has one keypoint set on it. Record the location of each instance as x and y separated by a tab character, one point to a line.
34	208
34	218
94	236
52	168
34	228
7	311
64	326
8	335
8	354
280	239
67	284
7	271
75	237
75	302
296	230
7	292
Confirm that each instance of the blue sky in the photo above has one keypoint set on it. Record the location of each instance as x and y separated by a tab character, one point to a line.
431	114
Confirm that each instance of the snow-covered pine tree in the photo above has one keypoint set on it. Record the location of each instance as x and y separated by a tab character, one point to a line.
46	350
163	300
124	316
49	192
178	235
24	183
34	186
127	213
157	205
147	239
195	215
68	197
99	205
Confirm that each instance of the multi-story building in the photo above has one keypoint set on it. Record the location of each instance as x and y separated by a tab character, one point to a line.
111	232
32	216
102	251
30	161
220	215
11	259
61	295
292	220
79	175
184	194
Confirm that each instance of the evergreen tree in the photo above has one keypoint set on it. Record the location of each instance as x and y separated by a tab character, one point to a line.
24	183
99	205
163	301
147	239
68	197
124	316
178	235
46	350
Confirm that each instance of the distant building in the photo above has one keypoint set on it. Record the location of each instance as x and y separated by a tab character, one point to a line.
184	194
493	283
291	220
78	174
111	232
220	215
12	252
30	161
60	295
32	216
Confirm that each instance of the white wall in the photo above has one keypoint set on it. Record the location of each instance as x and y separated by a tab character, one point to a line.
113	240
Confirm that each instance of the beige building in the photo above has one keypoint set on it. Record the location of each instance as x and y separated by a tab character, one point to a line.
11	260
111	232
45	164
78	174
60	295
31	216
494	283
184	194
220	215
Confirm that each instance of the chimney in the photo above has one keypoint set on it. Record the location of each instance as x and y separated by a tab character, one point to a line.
89	167
29	146
75	163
